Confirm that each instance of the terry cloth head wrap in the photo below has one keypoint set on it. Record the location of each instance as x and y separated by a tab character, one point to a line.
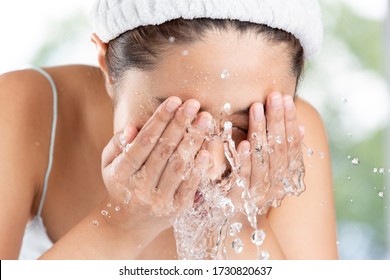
302	18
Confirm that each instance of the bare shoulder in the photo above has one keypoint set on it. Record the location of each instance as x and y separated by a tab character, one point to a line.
26	109
25	98
307	113
26	117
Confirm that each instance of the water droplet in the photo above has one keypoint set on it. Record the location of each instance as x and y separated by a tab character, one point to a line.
288	187
375	170
109	205
235	229
349	157
225	74
264	255
290	139
237	245
351	200
349	134
241	183
355	161
338	243
258	237
172	39
127	148
226	205
126	201
381	194
349	178
227	107
345	100
117	208
279	140
388	170
322	155
245	195
104	212
185	53
381	171
227	126
113	172
95	223
310	152
269	149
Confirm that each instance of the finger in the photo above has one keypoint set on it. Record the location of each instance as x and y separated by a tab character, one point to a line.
185	194
276	133
117	143
259	146
293	131
245	159
180	164
136	153
169	140
294	143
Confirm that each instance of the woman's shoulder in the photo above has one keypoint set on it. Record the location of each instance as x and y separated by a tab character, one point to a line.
30	86
307	113
26	105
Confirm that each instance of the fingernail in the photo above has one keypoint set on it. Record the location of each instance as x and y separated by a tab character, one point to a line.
277	101
173	104
245	150
302	130
288	103
192	107
258	111
204	123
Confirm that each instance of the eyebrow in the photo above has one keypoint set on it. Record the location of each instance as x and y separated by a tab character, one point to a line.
239	112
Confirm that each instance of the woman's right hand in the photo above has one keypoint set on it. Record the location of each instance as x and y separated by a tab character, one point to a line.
143	171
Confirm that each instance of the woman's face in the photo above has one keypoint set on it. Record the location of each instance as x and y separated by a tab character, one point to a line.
225	67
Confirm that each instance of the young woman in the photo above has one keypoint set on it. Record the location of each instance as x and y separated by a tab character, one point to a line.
166	70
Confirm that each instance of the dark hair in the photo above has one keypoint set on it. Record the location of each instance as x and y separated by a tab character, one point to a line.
142	47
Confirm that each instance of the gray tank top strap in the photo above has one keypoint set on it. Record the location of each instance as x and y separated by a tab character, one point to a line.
53	134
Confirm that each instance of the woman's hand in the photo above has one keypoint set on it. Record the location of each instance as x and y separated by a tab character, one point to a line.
144	170
271	159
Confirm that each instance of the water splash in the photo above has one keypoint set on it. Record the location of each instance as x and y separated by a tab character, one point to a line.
226	108
235	229
201	232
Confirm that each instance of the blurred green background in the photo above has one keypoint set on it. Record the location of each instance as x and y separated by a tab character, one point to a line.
346	83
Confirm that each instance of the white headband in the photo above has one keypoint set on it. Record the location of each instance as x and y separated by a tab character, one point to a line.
302	18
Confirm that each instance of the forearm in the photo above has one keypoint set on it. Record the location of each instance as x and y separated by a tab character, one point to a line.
96	238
